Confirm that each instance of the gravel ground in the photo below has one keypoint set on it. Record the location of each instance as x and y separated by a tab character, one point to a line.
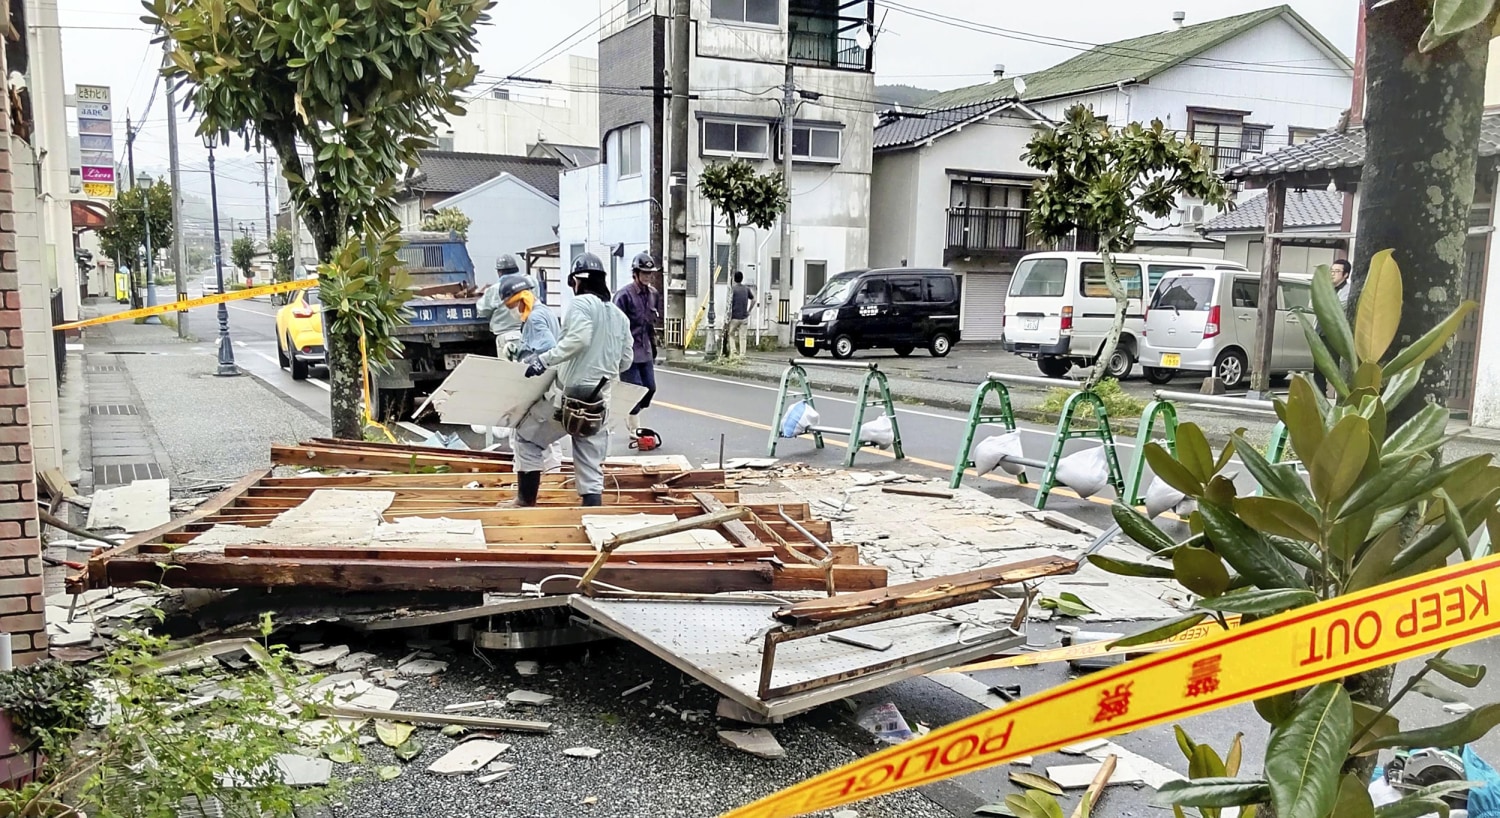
654	762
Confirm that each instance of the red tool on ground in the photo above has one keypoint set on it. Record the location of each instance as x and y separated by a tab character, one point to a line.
646	440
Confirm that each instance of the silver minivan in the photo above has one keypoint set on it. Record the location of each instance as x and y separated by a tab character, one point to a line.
1204	322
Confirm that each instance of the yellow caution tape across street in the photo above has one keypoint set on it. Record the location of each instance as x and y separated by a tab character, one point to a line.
191	303
1091	650
1376	627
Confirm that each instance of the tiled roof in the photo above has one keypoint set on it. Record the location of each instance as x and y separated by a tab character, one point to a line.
452	172
1132	60
1304	208
909	129
1339	151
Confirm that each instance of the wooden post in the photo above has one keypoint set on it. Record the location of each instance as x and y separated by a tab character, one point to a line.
1265	313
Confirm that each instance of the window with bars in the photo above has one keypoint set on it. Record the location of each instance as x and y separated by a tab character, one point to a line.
1221	133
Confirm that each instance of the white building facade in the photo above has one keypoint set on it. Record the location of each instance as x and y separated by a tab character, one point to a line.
617	208
510	117
951	187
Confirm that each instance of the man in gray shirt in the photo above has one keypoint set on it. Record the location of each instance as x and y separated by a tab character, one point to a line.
741	299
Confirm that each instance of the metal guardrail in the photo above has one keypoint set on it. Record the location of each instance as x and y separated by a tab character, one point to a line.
1215	400
1032	380
804	363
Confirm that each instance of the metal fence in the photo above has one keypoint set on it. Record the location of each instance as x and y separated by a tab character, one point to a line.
982	229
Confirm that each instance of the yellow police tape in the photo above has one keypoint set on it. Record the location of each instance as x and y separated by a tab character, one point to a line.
1090	650
191	303
1318	643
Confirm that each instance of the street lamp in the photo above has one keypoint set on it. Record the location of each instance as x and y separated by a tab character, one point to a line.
146	181
226	347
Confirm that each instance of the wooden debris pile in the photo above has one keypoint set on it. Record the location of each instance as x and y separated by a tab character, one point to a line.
382	517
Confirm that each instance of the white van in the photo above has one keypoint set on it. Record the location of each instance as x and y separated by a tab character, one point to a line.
1205	322
1059	311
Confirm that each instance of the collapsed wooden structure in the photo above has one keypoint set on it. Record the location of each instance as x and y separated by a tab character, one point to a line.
765	547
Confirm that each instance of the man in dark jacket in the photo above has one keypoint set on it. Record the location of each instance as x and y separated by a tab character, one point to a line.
641	304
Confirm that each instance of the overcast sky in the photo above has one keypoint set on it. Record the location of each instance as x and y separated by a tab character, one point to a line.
105	44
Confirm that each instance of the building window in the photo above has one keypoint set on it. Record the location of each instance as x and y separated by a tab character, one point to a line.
1255	138
817	276
776	275
1296	135
628	153
721	264
814	144
1221	133
636	8
445	143
744	140
690	269
763	12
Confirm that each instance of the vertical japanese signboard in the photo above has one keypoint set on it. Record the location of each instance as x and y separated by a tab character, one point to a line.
96	141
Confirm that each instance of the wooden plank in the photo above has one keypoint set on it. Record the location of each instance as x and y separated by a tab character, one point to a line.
94	575
918	491
922	592
846	578
557	497
701	478
735	529
549	515
216	571
495	534
579	554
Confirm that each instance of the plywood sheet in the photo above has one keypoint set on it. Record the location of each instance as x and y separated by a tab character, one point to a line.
601	527
140	506
484	391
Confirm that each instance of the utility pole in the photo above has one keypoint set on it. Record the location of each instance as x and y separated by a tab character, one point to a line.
265	185
784	290
681	78
179	249
135	255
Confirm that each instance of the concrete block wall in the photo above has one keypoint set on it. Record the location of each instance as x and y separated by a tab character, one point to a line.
21	607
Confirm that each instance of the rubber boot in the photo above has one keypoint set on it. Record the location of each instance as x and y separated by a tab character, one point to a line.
528	485
633	425
591	500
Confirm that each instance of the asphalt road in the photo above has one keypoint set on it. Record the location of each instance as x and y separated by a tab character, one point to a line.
699	415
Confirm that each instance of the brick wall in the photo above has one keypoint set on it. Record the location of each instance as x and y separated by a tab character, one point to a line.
21	613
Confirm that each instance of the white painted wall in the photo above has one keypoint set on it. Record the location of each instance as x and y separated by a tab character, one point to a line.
1486	411
512	126
1248	249
36	309
508	216
584	219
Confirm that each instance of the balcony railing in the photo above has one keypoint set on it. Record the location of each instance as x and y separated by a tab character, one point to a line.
1003	230
828	50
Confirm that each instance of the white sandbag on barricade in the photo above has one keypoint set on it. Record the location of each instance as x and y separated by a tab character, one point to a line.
878	432
998	451
1161	498
1085	472
799	417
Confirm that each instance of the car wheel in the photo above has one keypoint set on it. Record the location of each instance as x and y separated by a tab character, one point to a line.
1120	364
940	346
843	347
281	357
1054	367
1158	376
807	352
1231	368
299	368
904	350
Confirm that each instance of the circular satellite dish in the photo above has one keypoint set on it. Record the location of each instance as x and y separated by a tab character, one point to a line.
1019	83
862	38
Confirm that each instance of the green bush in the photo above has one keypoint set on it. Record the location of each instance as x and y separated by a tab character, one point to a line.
1119	403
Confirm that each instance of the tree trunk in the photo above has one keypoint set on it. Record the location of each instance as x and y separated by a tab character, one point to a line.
1421	117
1122	300
734	266
345	374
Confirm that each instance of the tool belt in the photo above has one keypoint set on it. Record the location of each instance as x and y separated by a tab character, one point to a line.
581	416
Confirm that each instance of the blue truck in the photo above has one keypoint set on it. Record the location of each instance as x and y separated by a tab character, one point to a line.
445	322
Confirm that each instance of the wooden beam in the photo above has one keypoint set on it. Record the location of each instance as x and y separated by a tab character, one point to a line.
735	529
1270	274
923	592
554	496
539	535
578	554
217	571
846	578
701	478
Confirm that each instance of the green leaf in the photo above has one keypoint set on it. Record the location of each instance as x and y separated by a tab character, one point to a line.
1379	308
1323	359
1201	571
1164	630
1274	515
343	752
1303	419
1332	322
387	772
1193	451
1135	526
1373	566
1277	709
1130	568
1414	806
1401	385
1457	672
1278	479
1185	743
1247	551
1171	472
1340	461
1374	488
1420	434
1296	551
1212	792
1205	763
1371	724
1236	753
1260	603
393	734
408	751
1470	727
1353	799
1304	755
1453	17
1431	343
1035	782
1435	691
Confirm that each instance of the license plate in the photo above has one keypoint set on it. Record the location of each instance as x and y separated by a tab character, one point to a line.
809	343
1033	323
1171	361
452	361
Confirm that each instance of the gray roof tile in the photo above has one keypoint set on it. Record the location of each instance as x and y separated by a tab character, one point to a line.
1340	150
453	172
1304	208
911	128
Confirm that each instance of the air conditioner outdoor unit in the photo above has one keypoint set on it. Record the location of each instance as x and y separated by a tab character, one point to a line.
1192	214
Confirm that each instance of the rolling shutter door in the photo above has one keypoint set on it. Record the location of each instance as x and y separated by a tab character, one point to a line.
984	305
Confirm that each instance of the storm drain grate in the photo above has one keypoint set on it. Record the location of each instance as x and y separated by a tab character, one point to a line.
92	369
127	472
113	409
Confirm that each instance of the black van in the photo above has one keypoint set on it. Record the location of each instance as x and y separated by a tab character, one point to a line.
897	308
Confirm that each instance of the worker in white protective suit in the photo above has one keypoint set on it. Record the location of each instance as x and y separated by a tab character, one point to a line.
504	323
594	349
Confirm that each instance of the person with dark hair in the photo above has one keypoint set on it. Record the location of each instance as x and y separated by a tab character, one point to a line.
741	299
1339	270
638	301
592	352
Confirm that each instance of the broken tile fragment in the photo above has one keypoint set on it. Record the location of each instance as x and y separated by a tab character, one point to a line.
354	661
756	742
422	667
582	752
529	697
467	757
528	668
322	657
302	771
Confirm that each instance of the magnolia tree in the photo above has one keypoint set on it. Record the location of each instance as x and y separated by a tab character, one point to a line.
242	253
360	87
446	219
743	197
1106	182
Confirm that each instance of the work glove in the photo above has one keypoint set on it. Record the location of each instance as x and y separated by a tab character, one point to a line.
534	367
